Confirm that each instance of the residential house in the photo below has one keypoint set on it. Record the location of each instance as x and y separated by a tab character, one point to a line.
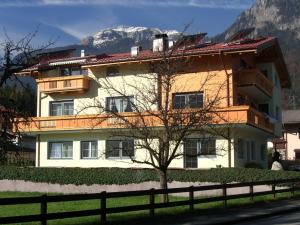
289	144
254	72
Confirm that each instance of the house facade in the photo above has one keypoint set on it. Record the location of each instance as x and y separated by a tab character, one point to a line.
248	74
289	144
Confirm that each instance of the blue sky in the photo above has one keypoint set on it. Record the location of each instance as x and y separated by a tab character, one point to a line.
70	20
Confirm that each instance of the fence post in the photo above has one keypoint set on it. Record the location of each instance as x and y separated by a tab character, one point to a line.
191	197
225	194
44	209
251	191
103	206
293	188
152	201
274	189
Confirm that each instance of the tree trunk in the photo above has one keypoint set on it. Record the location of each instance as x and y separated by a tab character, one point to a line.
163	185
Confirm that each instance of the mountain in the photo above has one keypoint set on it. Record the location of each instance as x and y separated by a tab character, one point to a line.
122	38
279	18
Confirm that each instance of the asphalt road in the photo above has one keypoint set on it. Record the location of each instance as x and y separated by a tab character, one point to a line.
284	219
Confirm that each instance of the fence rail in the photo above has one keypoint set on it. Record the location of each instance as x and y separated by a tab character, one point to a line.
287	185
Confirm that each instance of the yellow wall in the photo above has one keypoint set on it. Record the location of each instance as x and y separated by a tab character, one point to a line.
203	161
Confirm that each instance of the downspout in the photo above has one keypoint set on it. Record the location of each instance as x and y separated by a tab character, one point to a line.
228	105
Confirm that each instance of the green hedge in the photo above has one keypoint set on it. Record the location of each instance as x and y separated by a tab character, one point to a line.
126	176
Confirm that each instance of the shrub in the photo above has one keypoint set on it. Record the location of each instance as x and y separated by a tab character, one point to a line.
253	165
121	176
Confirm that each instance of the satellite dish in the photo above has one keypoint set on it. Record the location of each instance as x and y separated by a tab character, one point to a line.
240	34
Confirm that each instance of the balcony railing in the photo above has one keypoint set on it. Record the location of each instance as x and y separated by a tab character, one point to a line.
253	77
78	83
233	115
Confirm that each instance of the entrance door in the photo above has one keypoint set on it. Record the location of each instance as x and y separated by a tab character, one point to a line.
190	153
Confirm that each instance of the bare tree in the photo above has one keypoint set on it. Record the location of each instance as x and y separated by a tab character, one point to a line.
159	123
15	56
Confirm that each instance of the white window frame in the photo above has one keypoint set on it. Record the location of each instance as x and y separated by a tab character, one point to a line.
62	103
122	99
89	150
50	143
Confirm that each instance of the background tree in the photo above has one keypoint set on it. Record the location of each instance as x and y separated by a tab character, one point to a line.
157	123
17	99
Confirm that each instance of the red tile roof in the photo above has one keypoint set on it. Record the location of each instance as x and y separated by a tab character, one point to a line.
254	44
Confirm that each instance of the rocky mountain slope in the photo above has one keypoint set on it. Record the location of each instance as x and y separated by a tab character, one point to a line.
122	38
279	18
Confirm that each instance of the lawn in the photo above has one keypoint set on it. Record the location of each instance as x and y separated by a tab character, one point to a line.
115	218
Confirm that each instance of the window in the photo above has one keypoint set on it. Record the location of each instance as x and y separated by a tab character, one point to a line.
61	108
277	113
263	152
190	100
263	108
253	153
265	73
112	71
297	153
240	148
89	149
119	104
248	150
68	71
205	146
60	150
119	148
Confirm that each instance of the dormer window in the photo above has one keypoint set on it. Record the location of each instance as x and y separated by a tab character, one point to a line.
112	71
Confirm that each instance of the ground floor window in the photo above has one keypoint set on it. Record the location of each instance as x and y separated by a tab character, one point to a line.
89	149
263	152
297	153
240	148
253	153
60	150
195	147
119	148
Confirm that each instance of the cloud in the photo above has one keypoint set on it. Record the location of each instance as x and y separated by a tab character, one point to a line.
225	4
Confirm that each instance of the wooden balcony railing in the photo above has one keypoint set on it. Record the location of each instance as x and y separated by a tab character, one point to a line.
232	115
249	77
78	83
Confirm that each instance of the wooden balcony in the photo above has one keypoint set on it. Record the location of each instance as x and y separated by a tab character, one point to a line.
255	84
233	115
78	83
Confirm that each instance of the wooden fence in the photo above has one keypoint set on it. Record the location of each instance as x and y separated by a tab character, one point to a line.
287	185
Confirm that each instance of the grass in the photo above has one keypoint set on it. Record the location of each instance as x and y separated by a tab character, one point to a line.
30	209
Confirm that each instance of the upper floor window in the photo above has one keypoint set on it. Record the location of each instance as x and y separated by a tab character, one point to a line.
119	104
112	71
188	100
69	71
264	108
62	108
119	148
60	150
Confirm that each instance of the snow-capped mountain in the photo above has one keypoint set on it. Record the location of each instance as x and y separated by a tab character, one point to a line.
122	38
